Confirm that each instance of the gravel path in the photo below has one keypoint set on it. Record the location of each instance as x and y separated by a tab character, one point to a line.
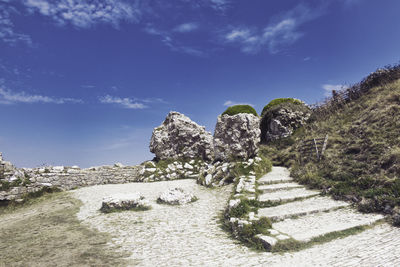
190	235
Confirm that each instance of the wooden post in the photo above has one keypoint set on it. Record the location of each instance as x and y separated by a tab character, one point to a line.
325	144
316	149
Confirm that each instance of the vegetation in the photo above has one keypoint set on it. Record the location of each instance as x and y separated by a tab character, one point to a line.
46	232
237	109
106	209
362	159
280	101
294	245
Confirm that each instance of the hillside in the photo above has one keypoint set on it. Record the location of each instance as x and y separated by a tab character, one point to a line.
362	159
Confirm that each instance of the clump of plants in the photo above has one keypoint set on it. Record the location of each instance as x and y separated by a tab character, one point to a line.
237	109
279	101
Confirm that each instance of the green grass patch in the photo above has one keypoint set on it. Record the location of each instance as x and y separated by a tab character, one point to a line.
112	210
237	109
46	232
279	101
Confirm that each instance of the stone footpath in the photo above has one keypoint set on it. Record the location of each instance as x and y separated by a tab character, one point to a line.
190	235
301	214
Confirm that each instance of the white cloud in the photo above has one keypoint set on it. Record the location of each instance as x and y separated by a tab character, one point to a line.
88	86
9	97
7	32
233	103
219	4
186	27
274	36
169	41
84	14
330	87
124	102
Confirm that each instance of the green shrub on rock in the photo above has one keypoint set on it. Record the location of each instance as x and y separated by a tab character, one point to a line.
279	101
237	109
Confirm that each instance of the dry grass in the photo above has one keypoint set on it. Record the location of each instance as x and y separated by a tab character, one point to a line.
47	232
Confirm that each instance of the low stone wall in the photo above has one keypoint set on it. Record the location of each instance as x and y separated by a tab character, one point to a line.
19	182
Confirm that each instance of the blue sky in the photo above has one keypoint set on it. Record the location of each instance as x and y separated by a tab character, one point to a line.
85	82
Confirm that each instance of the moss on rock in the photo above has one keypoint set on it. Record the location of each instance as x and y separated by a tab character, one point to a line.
237	109
279	101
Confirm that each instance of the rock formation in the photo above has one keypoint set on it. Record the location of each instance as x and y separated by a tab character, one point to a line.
236	136
281	121
134	201
176	196
180	137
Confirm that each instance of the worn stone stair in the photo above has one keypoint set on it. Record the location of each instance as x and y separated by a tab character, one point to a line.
277	187
277	175
301	208
302	214
287	195
307	227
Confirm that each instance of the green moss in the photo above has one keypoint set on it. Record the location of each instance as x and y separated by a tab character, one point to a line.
106	209
237	109
279	101
240	210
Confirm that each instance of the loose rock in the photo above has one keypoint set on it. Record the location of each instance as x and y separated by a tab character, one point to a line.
176	196
116	202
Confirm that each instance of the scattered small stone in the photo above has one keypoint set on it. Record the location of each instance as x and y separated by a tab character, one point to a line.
188	166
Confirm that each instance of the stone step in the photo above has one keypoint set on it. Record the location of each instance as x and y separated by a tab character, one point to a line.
307	227
276	175
301	208
277	187
287	195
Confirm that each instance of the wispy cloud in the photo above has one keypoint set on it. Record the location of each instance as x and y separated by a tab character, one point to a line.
168	40
219	4
124	102
10	97
88	86
328	88
7	31
282	32
233	103
84	14
186	27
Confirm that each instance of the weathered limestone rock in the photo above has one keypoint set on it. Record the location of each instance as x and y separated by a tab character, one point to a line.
115	202
180	137
217	174
281	122
236	136
176	196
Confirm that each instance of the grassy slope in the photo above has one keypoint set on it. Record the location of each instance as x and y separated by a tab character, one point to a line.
47	232
362	160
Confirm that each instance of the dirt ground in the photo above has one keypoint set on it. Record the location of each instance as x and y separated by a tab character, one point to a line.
46	232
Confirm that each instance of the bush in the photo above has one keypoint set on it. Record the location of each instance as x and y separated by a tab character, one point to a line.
240	109
279	101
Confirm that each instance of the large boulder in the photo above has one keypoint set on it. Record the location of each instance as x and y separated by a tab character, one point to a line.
236	136
176	196
281	121
133	201
180	137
